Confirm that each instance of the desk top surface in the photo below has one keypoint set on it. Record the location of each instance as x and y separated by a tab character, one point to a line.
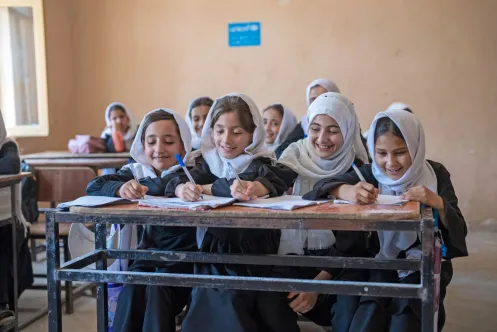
84	162
409	211
14	177
70	155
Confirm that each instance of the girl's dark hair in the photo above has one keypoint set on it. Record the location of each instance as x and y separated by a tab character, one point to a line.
200	101
239	107
386	125
278	107
407	109
158	116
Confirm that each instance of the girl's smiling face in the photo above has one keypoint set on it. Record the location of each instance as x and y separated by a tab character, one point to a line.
229	136
325	135
162	142
392	155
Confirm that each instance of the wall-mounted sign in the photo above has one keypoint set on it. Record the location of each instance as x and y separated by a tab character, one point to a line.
244	34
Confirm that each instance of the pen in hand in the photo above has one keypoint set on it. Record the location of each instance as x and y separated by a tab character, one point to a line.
361	177
232	170
187	172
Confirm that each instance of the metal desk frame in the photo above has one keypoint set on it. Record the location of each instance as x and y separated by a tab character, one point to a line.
71	270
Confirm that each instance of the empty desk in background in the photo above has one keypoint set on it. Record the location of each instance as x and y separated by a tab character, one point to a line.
325	216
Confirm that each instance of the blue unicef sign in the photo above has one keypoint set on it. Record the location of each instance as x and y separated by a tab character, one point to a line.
244	34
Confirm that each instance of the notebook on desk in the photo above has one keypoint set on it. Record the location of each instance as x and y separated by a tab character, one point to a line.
93	201
285	203
382	200
208	202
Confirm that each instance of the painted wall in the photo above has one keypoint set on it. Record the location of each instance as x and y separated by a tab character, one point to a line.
438	56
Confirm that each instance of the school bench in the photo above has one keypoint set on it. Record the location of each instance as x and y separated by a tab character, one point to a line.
326	216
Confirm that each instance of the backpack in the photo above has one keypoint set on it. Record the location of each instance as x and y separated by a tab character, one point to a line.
29	195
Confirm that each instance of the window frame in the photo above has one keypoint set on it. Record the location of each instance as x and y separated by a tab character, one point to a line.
7	102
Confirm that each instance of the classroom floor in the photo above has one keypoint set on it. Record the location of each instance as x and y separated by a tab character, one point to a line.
470	302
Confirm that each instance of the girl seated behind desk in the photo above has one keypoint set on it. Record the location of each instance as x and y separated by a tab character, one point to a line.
162	135
234	133
10	164
332	146
121	129
278	121
195	118
396	143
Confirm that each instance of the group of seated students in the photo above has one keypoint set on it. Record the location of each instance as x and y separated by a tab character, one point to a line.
272	154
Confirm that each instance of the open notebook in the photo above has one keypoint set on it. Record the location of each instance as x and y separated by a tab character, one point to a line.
382	200
93	201
286	203
208	202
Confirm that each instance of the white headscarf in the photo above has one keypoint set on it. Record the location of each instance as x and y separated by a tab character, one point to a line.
130	133
329	85
393	106
5	199
302	158
195	138
419	174
218	164
288	122
142	168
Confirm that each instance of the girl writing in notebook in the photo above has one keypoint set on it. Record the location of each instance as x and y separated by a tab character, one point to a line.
313	90
396	143
161	135
332	146
278	121
233	133
195	118
10	163
120	130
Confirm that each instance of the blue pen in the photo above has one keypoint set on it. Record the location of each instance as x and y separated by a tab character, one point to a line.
182	164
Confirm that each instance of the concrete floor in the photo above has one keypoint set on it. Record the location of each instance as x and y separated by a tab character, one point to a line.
471	300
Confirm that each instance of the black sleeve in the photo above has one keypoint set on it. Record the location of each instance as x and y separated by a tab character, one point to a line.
109	144
324	187
454	231
108	185
296	135
200	173
255	172
10	163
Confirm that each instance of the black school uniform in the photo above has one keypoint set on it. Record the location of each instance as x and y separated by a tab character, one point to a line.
380	314
147	307
295	135
10	163
274	308
215	310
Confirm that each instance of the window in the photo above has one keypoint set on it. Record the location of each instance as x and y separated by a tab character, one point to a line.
23	88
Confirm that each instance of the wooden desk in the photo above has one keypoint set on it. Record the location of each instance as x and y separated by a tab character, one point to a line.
95	163
11	181
68	154
325	216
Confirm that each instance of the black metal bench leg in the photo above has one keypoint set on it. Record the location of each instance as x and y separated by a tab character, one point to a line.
68	284
33	250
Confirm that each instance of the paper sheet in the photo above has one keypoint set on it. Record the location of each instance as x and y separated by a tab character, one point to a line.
208	202
286	203
382	200
93	201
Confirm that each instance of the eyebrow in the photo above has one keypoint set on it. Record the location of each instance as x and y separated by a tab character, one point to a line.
317	124
154	136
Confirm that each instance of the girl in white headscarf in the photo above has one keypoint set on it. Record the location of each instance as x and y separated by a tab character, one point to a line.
121	129
195	118
331	148
233	133
10	163
396	143
313	90
278	121
161	135
393	106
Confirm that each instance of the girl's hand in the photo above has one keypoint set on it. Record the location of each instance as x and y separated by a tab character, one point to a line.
302	302
132	190
244	190
189	192
361	193
425	196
